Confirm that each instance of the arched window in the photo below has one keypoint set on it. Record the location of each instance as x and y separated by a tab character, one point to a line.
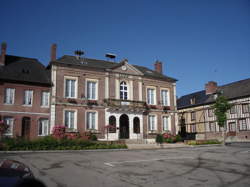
136	125
112	123
123	90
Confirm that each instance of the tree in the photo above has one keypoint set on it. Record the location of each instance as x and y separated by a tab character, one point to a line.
221	107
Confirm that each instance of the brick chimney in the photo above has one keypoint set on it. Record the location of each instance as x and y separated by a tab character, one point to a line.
211	87
53	52
3	53
158	67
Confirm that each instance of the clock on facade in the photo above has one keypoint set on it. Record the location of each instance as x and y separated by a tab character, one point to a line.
124	68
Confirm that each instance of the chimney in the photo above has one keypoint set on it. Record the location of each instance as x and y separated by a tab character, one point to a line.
3	53
53	52
158	67
211	87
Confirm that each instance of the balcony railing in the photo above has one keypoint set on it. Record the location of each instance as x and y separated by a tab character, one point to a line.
124	103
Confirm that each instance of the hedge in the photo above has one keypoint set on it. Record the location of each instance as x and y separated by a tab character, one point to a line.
50	143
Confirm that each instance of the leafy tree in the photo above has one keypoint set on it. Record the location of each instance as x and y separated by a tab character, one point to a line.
221	107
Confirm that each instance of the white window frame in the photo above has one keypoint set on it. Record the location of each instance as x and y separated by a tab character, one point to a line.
149	122
163	102
247	126
210	112
149	98
40	123
45	102
9	98
8	120
123	90
214	126
96	89
75	118
76	87
193	116
232	126
26	98
245	108
168	123
96	119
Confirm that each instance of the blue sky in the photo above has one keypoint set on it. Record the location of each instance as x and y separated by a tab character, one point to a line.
197	40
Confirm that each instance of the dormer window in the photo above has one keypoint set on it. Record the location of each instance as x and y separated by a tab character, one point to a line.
192	101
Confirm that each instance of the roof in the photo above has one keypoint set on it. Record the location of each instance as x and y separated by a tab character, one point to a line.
24	70
231	91
104	65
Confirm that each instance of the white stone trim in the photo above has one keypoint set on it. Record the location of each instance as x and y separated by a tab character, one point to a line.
140	90
31	113
130	90
96	122
106	87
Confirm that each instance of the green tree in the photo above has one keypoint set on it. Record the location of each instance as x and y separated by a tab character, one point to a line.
221	107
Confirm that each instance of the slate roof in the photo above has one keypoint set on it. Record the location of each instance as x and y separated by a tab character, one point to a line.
24	70
231	91
104	65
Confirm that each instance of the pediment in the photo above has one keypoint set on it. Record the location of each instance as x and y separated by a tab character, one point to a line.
126	68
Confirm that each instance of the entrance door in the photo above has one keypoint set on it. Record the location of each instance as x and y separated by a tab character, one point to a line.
124	127
26	128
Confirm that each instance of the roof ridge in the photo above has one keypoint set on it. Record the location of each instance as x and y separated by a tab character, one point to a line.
22	57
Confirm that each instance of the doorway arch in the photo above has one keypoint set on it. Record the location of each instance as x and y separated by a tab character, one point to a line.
124	127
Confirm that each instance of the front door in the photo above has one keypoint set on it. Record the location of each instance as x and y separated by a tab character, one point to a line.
26	128
124	127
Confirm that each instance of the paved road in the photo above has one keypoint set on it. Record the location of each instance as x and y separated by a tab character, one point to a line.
198	166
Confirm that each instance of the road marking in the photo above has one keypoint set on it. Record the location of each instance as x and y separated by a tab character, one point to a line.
247	151
112	164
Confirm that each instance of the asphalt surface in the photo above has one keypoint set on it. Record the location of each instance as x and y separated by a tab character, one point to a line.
193	166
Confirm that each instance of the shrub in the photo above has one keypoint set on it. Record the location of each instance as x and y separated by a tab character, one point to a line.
159	138
58	131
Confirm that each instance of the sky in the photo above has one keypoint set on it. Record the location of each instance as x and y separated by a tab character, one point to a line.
197	40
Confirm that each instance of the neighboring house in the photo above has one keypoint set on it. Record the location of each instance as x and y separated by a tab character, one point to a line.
196	114
24	96
90	94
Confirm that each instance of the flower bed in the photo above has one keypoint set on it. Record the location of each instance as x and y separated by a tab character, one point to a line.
202	142
51	143
168	138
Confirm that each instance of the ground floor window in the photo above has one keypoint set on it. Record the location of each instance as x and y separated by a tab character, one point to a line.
112	124
136	125
151	122
165	121
231	127
69	119
243	125
43	128
193	128
91	120
10	122
212	127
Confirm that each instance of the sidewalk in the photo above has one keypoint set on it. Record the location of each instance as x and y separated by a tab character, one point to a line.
156	146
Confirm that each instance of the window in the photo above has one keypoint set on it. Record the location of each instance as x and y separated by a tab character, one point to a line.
69	119
10	122
245	108
9	96
192	128
151	123
231	127
192	101
123	91
164	97
136	125
211	127
45	99
210	112
70	88
43	127
165	123
112	123
91	120
193	116
28	97
243	125
233	109
151	96
92	90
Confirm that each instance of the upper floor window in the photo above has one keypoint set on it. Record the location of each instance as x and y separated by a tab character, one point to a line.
91	120
193	116
151	96
69	119
43	127
70	88
9	96
91	90
192	101
210	112
45	99
245	108
165	121
10	122
123	91
233	109
151	122
28	97
164	97
231	127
